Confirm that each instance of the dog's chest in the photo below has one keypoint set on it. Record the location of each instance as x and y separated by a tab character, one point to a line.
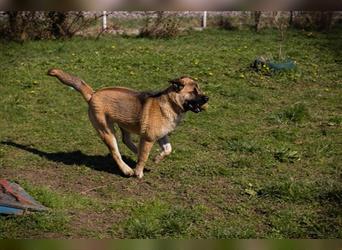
170	124
158	128
158	119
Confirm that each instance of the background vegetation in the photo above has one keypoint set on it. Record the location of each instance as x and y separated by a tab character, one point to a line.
35	25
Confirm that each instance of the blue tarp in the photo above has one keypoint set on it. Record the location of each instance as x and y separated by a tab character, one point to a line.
15	200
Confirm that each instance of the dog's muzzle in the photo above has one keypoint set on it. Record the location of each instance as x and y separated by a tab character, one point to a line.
196	104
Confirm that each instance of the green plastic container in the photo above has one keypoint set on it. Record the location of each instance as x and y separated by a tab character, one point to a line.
281	66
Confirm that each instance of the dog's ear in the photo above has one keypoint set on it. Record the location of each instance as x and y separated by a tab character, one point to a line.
177	85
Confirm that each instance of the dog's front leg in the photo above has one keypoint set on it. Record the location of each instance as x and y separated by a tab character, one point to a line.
143	153
166	148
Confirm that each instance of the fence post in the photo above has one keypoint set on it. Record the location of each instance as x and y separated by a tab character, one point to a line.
104	20
204	19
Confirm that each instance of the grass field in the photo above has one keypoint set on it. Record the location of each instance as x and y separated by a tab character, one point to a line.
263	162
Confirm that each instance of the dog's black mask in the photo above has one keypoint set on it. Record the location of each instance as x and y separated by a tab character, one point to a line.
195	105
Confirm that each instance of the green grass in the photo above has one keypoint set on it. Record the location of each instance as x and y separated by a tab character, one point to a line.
264	161
296	113
156	219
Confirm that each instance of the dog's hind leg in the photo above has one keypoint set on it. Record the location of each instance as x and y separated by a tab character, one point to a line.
109	139
107	135
127	140
166	148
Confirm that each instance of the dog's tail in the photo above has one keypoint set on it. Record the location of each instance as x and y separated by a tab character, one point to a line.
74	82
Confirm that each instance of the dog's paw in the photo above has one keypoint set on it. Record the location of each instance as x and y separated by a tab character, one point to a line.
129	172
139	174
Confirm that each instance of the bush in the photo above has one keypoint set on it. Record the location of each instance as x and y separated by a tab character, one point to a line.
314	20
160	24
228	23
36	25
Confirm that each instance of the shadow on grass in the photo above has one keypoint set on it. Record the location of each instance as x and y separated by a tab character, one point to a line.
96	162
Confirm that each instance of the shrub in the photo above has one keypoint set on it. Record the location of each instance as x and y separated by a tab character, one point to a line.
314	20
160	24
228	23
34	25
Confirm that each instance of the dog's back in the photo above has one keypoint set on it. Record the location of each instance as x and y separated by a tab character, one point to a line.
118	105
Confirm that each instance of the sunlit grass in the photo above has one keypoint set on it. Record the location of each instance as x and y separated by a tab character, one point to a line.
263	161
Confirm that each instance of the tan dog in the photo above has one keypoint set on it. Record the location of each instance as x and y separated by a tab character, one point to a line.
151	115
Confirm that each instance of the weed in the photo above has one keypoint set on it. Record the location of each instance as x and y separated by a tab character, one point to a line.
285	154
241	162
336	120
240	145
295	191
283	135
296	114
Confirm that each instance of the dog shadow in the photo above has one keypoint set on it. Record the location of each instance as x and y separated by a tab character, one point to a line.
77	158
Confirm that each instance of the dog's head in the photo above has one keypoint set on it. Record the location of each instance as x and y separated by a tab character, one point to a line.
188	94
